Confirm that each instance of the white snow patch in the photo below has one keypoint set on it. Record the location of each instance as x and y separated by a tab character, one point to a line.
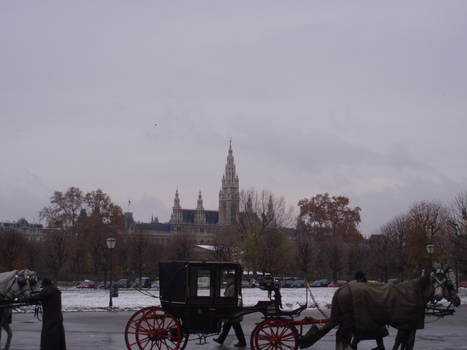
74	299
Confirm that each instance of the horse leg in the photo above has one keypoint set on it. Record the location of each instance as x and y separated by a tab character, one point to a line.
411	340
402	338
9	336
343	339
340	344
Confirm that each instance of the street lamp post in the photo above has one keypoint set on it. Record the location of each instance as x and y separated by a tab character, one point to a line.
111	245
430	249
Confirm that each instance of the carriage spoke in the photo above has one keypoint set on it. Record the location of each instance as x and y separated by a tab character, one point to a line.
167	345
288	346
145	341
264	346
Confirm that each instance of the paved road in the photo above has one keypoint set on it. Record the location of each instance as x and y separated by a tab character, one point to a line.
104	330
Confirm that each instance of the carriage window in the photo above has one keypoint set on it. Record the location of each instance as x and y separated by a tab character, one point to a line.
203	283
227	283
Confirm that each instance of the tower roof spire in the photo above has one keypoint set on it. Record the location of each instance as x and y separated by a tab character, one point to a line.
176	200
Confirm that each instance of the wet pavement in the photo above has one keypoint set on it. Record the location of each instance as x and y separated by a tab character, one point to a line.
105	330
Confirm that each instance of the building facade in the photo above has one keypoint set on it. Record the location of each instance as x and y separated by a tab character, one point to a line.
200	220
200	223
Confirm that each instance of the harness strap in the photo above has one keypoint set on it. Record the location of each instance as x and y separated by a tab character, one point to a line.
11	286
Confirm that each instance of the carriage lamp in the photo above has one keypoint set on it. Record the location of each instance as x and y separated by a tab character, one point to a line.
430	248
111	241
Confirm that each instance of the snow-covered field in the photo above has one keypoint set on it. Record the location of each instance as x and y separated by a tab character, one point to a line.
74	299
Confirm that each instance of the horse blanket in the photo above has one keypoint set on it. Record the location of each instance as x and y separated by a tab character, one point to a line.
401	306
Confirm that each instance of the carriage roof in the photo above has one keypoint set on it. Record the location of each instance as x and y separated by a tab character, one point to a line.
178	279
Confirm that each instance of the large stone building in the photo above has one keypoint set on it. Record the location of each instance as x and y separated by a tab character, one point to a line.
33	231
202	224
200	220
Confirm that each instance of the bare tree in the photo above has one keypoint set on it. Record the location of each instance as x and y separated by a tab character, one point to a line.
55	245
273	252
260	210
381	256
457	231
64	208
263	216
226	244
334	252
426	224
180	247
395	232
304	248
139	246
12	253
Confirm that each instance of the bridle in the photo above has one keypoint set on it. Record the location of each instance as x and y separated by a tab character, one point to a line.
22	279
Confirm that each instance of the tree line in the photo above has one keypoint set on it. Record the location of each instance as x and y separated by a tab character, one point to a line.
322	240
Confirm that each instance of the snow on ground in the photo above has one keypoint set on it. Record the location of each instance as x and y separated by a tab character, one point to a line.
74	299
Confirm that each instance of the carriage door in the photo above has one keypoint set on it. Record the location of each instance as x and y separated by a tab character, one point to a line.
201	284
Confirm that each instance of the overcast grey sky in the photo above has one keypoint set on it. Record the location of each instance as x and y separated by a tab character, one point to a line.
361	98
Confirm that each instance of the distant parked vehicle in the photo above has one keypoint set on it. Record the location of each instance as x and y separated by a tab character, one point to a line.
124	283
86	284
338	283
298	283
101	285
286	283
320	283
394	281
144	283
245	284
155	284
463	284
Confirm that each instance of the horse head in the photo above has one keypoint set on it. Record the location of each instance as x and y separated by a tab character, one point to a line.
21	285
443	287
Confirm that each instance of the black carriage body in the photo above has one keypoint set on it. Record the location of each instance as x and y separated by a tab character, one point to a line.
193	291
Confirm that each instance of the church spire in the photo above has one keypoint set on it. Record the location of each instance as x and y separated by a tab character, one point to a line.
200	216
177	216
229	195
200	202
177	201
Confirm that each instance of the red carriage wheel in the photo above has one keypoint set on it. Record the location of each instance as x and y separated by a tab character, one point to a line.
153	328
274	334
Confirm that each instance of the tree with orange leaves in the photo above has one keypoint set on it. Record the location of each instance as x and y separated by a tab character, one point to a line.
326	216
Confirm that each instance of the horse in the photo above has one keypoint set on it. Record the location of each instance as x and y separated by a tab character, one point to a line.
15	288
363	308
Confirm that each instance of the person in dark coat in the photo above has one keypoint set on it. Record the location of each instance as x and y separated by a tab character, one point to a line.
230	292
53	333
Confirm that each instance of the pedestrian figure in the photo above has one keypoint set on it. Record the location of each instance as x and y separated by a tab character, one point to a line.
53	333
235	323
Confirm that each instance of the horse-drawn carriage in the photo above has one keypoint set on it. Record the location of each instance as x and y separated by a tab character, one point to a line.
193	302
